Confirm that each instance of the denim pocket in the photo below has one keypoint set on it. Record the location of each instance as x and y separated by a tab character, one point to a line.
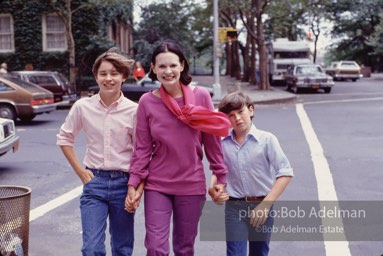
91	181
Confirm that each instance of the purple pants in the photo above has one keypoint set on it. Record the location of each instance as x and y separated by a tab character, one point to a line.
186	212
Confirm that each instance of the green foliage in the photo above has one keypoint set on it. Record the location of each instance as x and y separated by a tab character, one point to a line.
89	23
185	22
376	39
356	31
285	18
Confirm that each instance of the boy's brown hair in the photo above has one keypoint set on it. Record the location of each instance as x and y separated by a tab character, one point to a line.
122	64
235	101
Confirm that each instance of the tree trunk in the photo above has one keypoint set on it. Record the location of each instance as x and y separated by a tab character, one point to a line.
228	59
253	63
264	83
71	47
236	66
246	60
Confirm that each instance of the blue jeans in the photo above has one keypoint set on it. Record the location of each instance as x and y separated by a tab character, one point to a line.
104	196
239	230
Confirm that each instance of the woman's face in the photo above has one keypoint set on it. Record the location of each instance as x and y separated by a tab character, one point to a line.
108	78
168	68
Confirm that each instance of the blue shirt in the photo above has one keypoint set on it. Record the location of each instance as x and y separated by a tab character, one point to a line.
254	165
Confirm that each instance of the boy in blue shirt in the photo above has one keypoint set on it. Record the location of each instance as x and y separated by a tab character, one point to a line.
254	159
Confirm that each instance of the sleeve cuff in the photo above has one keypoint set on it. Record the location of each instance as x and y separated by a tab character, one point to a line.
285	172
221	178
134	180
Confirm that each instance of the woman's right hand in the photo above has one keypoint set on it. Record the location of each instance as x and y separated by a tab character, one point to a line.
132	200
217	191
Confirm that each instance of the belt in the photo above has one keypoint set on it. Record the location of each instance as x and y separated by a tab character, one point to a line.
248	198
108	173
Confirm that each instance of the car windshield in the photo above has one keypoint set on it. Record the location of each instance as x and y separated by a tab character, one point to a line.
62	78
307	70
348	64
20	82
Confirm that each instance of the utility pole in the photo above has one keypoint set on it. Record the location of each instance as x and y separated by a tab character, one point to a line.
216	85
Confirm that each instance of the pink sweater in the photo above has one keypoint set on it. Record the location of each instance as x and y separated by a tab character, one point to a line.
168	153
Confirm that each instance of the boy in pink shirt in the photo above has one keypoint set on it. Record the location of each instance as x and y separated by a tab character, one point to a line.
108	121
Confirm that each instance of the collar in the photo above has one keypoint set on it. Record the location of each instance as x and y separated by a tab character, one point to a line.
253	132
114	104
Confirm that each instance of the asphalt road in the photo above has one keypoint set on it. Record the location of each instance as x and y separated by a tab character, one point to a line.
334	143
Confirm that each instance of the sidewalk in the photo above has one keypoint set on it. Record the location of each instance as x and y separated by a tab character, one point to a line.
229	84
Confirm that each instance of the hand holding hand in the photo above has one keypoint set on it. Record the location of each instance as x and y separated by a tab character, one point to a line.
218	194
217	191
132	200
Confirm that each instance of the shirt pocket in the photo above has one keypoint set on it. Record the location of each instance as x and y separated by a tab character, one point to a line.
122	138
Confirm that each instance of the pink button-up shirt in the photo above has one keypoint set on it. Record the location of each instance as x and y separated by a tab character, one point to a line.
109	131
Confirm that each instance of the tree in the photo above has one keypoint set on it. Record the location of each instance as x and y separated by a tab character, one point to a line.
65	12
356	24
256	34
66	9
161	21
229	17
376	39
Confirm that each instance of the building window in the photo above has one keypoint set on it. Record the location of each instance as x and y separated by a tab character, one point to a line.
120	32
54	36
6	33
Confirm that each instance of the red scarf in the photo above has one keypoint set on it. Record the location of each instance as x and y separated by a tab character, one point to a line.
197	117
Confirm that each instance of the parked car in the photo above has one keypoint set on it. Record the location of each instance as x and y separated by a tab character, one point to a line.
23	100
342	70
8	138
52	81
134	91
308	76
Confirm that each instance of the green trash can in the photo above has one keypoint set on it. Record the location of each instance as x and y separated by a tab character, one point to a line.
14	220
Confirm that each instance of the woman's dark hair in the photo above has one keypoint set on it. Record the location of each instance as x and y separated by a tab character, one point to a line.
170	46
235	101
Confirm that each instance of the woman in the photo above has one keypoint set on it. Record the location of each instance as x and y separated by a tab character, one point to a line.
173	123
138	72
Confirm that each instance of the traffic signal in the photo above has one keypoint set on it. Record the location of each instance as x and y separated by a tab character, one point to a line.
231	34
227	34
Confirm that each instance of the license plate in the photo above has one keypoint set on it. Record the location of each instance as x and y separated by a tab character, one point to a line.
315	86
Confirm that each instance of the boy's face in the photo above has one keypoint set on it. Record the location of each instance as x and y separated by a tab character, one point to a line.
108	78
241	119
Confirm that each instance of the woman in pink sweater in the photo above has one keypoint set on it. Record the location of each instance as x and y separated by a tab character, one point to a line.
176	125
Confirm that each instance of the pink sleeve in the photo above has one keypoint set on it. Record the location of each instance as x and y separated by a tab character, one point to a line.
143	148
212	145
70	128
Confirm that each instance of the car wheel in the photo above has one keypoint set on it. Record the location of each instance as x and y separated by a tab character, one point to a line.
8	112
27	118
327	90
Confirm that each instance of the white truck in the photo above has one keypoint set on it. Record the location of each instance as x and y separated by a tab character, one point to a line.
283	53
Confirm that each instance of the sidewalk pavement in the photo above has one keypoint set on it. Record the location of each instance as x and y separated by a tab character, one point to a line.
229	84
273	95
